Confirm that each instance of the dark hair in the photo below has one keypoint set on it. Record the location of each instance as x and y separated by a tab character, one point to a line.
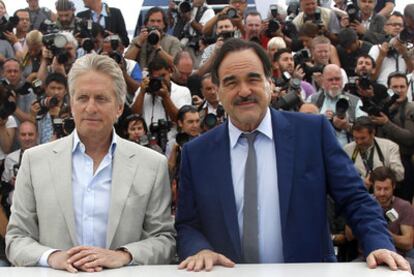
56	77
409	11
20	10
157	63
156	10
308	29
253	13
280	52
234	45
346	37
363	122
366	56
222	17
397	14
185	109
383	173
396	74
132	118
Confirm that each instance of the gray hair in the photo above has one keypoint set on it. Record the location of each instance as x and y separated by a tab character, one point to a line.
409	11
69	38
102	64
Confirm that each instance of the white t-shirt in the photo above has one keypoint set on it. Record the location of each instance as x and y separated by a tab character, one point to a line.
11	123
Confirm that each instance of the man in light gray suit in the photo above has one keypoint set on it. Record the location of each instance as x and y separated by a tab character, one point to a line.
92	200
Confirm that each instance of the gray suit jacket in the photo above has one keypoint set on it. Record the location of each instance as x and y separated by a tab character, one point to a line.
139	216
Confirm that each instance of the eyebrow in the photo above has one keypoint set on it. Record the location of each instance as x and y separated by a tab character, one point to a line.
249	75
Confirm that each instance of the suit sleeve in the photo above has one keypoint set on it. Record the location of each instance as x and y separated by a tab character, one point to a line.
22	246
190	239
120	27
361	211
157	245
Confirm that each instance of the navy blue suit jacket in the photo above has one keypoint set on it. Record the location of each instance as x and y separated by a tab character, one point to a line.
310	165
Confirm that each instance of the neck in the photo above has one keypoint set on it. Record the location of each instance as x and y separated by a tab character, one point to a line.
366	16
96	147
34	7
20	34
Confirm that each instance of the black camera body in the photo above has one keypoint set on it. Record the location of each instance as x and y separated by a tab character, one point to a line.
56	42
45	102
85	29
232	13
153	36
353	11
301	57
7	107
160	129
184	6
292	98
8	25
375	108
63	126
154	85
212	120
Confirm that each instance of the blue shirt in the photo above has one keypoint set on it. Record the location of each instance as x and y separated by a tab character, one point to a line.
270	231
100	19
91	196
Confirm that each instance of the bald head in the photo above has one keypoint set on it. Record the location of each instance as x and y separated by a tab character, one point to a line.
332	80
309	108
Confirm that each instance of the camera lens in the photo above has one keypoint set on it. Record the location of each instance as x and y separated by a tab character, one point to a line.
232	13
153	37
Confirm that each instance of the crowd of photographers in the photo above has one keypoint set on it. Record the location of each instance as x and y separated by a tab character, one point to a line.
352	61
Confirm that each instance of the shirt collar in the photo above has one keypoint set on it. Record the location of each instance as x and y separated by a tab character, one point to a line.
265	128
79	146
103	13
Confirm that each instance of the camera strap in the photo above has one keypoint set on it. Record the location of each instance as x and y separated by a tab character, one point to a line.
402	113
369	161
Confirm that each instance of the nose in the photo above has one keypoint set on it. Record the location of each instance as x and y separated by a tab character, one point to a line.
244	90
90	106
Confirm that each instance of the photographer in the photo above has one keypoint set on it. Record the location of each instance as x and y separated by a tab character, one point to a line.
57	58
369	152
153	41
210	104
136	130
189	20
324	18
113	47
8	125
283	63
398	126
18	39
159	97
66	19
338	106
19	90
109	18
391	55
48	105
364	20
32	55
398	212
38	14
235	11
409	20
27	137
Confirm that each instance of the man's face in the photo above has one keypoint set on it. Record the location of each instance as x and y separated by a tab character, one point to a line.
253	26
224	26
27	135
332	82
366	6
190	124
88	3
33	3
394	26
71	49
244	90
209	91
239	5
363	139
24	21
383	192
400	87
364	66
12	72
55	89
156	20
135	130
163	73
65	17
308	6
321	53
286	63
183	70
94	105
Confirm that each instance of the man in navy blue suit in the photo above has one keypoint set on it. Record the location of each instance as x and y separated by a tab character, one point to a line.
226	216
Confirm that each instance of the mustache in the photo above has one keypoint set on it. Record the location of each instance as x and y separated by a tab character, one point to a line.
248	99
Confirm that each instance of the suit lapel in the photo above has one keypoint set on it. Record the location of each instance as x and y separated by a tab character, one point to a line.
225	186
62	181
284	144
123	172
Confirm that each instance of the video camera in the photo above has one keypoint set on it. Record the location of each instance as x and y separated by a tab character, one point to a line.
160	130
8	25
55	42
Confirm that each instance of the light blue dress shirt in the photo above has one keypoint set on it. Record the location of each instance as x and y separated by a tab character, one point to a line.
100	19
270	230
91	196
330	104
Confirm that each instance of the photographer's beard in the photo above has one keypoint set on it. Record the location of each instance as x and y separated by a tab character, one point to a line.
333	93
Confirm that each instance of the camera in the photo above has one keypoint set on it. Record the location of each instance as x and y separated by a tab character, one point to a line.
352	11
406	36
63	126
182	138
8	25
232	13
183	6
212	120
225	35
272	28
364	82
160	130
85	29
153	36
301	57
7	107
45	102
154	85
56	42
375	108
292	98
342	106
